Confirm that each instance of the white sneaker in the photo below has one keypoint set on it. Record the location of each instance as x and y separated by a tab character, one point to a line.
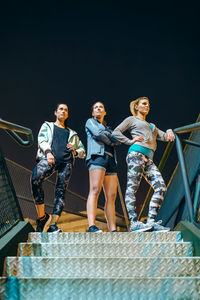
139	227
158	227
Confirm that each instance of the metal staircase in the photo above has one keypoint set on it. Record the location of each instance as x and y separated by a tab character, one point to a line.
125	265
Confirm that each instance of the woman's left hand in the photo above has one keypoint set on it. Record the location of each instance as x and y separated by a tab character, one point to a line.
71	148
170	135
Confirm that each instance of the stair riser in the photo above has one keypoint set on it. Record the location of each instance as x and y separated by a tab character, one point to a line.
107	250
108	237
102	267
98	289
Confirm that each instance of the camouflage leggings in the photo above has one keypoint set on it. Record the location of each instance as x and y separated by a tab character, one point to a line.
139	165
44	170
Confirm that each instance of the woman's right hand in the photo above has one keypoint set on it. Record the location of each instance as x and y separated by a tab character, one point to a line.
137	138
50	159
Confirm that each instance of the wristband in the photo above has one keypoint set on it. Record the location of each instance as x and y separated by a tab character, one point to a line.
47	151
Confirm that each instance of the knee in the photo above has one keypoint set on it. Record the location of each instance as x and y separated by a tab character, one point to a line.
111	197
95	191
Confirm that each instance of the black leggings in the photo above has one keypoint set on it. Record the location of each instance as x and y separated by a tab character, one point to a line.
43	170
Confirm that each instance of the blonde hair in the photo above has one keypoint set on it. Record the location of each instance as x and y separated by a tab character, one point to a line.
136	102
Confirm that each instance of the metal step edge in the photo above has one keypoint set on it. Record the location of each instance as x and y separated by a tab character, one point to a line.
142	249
103	267
115	288
119	237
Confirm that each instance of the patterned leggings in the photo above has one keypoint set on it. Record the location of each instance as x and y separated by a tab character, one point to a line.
139	165
44	170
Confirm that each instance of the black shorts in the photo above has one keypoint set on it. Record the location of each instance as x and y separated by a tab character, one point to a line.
105	162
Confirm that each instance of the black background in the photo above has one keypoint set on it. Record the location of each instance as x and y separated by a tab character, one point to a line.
83	51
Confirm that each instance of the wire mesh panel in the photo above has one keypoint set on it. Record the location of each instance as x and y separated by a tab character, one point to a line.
73	204
10	211
21	181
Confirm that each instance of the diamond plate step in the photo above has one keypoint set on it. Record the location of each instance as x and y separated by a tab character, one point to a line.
102	267
106	250
98	289
105	237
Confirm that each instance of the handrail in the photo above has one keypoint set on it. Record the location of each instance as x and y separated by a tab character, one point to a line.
179	130
12	128
187	128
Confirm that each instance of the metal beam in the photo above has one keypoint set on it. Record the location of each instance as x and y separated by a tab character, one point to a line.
185	178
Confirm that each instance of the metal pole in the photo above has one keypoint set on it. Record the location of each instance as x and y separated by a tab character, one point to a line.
196	196
123	204
185	178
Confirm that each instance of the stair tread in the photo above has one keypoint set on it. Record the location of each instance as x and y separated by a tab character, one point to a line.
119	237
142	249
98	288
103	267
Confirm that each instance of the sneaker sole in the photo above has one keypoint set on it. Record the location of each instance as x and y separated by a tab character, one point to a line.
161	230
143	229
99	231
46	226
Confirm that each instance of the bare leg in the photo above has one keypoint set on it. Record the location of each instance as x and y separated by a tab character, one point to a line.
110	192
54	219
96	178
40	210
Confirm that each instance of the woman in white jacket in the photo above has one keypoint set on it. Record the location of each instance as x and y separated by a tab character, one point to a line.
58	146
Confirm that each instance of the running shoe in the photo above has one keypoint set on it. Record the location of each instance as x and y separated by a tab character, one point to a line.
54	228
43	223
139	227
94	228
158	227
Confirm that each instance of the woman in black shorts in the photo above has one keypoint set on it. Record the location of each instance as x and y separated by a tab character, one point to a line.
101	162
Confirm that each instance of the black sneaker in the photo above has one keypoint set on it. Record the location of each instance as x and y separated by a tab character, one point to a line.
114	230
54	228
94	228
43	223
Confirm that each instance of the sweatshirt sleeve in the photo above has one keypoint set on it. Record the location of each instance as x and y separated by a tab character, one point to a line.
118	131
79	147
161	135
97	132
43	140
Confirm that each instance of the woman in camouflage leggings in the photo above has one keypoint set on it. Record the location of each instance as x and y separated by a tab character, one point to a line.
140	162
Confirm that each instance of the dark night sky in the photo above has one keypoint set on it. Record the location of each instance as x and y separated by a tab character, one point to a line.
87	50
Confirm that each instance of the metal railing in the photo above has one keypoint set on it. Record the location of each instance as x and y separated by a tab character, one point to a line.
179	148
10	211
12	128
177	131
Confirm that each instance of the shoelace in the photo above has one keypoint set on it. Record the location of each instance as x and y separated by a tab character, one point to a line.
157	223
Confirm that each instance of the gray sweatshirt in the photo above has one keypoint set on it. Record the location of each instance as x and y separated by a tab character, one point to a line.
136	127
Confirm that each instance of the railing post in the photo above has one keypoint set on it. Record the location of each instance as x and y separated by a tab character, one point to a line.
196	196
185	177
123	204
